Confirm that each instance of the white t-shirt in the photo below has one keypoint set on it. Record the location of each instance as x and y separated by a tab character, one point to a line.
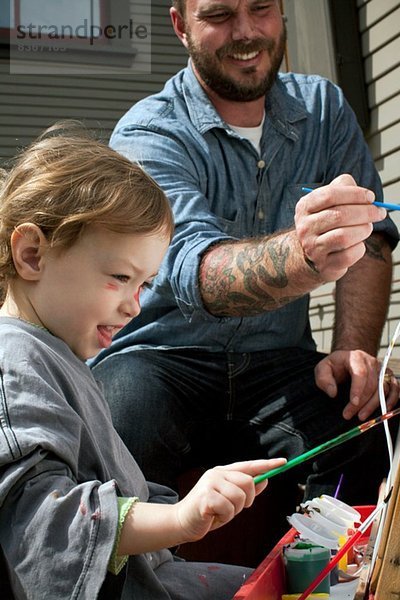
253	134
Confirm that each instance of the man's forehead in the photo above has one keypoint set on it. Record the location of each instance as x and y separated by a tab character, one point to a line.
206	4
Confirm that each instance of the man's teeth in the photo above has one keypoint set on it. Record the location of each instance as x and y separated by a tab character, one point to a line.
247	56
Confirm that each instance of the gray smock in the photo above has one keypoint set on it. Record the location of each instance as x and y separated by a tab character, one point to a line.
62	466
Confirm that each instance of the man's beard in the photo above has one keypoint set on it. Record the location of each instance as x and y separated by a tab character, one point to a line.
209	69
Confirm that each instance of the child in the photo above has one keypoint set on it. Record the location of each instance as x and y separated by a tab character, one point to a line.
82	230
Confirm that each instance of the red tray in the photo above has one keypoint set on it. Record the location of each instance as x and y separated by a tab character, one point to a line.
268	580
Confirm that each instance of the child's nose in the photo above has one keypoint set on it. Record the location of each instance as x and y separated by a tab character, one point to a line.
131	305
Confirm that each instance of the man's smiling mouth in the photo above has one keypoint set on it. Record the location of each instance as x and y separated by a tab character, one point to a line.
247	56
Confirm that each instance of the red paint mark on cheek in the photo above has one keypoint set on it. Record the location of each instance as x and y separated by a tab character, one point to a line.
111	286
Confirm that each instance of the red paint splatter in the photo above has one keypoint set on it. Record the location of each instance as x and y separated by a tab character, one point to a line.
96	515
83	508
203	580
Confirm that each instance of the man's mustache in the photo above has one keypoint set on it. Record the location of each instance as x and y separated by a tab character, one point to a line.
240	47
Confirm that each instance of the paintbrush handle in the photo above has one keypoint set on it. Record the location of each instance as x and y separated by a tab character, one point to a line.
310	453
343	437
386	205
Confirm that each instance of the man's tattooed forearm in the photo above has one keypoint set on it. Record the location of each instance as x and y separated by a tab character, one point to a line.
234	282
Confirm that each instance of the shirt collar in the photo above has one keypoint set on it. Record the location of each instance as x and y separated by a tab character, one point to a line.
281	109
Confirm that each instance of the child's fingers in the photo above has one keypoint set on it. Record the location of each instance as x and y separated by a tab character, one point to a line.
255	467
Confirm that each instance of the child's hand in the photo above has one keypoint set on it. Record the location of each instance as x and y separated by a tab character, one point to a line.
220	494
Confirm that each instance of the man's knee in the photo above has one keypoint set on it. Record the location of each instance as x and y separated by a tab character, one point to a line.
125	376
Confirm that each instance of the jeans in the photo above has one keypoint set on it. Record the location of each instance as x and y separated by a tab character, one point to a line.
177	409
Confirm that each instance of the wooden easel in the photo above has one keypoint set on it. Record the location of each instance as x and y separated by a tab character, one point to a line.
385	579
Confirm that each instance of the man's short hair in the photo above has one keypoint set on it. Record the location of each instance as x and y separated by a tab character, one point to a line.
180	6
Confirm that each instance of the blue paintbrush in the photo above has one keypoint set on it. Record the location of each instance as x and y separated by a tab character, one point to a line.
386	205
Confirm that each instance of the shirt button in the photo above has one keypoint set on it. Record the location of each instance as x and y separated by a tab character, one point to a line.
261	164
260	214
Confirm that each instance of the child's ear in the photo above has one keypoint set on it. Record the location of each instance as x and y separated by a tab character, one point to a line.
27	245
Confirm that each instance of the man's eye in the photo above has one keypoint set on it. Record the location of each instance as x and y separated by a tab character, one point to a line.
262	7
122	278
217	17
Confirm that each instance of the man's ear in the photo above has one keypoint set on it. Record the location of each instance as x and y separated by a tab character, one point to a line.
178	23
27	245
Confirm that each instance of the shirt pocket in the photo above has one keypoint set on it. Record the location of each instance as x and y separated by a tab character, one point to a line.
232	227
290	197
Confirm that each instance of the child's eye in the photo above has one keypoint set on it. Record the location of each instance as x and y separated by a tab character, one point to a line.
122	278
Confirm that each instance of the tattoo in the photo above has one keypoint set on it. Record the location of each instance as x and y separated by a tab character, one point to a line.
237	282
374	247
252	260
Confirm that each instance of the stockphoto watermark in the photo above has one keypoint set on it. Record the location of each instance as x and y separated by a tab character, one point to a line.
81	45
85	31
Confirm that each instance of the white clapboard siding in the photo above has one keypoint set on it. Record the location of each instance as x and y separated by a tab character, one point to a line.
383	60
380	33
31	102
380	39
386	141
384	88
372	12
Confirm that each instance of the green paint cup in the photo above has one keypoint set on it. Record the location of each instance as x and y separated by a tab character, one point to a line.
303	562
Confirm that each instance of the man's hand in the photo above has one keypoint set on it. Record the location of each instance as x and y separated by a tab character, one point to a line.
363	370
332	223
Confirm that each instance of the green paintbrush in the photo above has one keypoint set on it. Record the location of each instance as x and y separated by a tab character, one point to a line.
343	437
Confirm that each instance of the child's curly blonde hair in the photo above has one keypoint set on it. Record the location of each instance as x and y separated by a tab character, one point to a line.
67	180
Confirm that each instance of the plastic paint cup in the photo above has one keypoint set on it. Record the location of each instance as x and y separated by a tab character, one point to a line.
342	510
303	562
309	529
334	510
338	529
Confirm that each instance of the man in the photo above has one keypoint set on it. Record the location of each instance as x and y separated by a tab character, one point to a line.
220	363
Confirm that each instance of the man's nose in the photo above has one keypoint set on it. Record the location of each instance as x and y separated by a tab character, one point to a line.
243	27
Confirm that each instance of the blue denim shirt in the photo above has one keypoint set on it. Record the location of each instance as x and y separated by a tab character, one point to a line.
221	188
